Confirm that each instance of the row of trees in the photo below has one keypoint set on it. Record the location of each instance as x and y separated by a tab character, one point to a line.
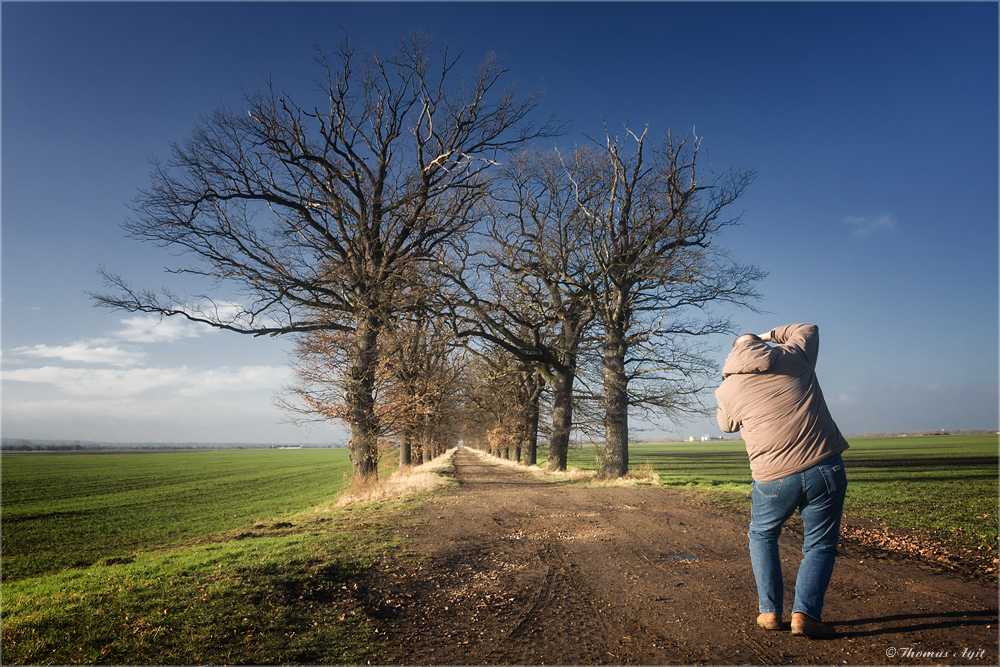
445	277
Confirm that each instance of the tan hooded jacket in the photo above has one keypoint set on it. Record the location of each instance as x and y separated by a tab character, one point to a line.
771	395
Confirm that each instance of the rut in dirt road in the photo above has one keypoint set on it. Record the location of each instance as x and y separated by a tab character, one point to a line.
510	568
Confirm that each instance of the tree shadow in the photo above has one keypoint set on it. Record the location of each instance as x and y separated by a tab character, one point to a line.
931	621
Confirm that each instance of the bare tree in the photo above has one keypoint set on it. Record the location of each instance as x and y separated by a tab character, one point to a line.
503	397
652	217
311	213
423	366
415	388
529	291
531	385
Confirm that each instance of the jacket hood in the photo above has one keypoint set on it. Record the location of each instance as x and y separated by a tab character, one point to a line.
752	356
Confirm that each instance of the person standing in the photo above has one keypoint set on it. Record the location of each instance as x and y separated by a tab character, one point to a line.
770	394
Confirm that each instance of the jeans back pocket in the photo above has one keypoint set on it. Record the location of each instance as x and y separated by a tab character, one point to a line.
770	489
834	476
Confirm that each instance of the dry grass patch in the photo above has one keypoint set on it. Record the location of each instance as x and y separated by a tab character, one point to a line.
406	481
641	475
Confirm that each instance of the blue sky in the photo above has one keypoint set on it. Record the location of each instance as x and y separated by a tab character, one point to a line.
873	129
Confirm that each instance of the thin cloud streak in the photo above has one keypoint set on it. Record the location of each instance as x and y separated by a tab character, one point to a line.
89	352
865	226
137	419
100	384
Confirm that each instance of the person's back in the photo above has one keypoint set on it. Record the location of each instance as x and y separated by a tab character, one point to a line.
772	396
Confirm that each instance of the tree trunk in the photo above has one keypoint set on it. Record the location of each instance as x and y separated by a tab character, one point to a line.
426	439
361	398
530	444
615	404
562	419
406	448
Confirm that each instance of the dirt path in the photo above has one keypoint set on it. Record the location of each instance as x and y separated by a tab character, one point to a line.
511	569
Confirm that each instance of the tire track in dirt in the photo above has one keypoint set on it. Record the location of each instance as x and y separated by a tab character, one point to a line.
512	569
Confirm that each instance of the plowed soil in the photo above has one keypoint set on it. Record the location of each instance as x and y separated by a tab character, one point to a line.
509	568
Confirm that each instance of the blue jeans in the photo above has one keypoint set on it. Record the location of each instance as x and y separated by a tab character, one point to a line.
818	493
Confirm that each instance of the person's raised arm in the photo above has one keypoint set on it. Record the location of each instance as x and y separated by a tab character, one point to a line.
803	337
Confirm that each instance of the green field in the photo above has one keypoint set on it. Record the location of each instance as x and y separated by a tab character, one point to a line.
75	510
225	557
205	557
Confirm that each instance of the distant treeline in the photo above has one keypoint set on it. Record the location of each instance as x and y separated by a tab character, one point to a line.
28	446
961	431
76	446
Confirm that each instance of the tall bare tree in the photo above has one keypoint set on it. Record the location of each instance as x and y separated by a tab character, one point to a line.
652	217
310	213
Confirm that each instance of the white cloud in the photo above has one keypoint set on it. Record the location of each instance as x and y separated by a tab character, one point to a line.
234	378
229	312
863	226
156	329
119	387
95	384
107	351
152	329
96	351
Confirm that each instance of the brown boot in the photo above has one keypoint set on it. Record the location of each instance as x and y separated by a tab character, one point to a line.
769	621
806	626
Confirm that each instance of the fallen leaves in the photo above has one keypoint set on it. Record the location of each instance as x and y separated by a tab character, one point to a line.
922	547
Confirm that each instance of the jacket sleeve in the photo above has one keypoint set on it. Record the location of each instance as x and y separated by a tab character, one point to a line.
802	337
726	422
